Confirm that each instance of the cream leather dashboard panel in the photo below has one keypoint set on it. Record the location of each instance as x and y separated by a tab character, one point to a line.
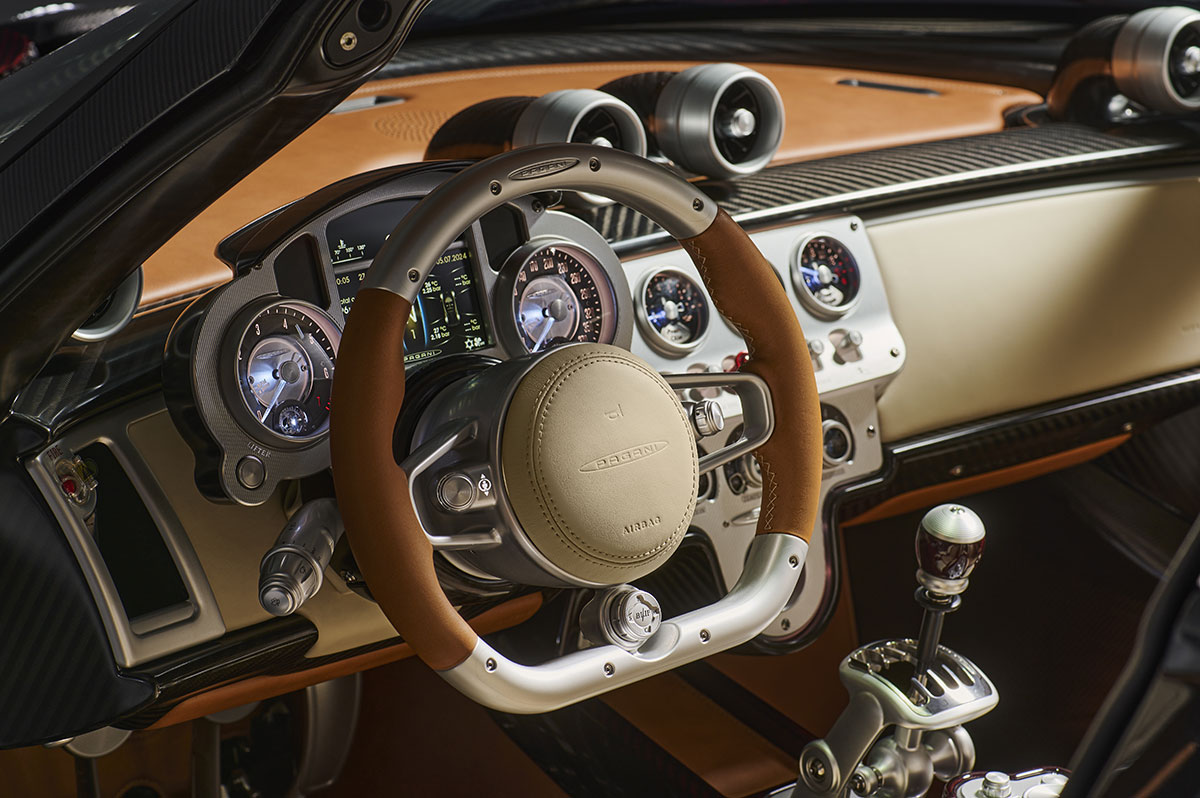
1012	305
230	540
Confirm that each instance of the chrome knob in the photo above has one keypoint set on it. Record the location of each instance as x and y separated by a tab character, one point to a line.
707	417
622	616
996	785
292	571
816	347
739	124
949	544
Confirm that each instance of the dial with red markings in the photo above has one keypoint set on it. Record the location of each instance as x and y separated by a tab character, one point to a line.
826	276
285	364
561	294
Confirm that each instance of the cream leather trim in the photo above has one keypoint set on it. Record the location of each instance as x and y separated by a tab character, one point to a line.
1013	305
230	540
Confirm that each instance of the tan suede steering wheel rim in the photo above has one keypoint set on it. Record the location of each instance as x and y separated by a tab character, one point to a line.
389	544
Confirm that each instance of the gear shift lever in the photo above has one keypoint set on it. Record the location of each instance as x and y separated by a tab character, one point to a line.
908	698
949	545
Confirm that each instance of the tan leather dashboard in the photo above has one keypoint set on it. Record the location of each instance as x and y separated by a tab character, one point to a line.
825	117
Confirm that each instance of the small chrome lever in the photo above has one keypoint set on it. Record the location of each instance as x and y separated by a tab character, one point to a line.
292	571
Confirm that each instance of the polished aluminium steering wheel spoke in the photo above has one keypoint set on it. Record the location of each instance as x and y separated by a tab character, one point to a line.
442	442
758	414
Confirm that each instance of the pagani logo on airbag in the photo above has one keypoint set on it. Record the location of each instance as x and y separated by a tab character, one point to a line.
542	169
625	456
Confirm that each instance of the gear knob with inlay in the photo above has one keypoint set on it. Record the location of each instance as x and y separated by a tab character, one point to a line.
949	545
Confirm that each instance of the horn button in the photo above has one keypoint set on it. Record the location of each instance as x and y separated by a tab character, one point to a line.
599	463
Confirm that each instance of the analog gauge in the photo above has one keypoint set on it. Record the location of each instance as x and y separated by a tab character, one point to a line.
673	311
825	276
285	361
561	294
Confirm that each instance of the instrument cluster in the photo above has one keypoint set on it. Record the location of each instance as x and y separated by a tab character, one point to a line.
250	365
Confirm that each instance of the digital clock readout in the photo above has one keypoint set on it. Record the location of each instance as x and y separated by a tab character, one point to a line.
446	317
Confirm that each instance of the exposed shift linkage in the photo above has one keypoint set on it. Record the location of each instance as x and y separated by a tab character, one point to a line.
922	691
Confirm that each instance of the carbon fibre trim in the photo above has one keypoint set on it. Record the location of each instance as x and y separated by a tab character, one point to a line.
855	180
59	675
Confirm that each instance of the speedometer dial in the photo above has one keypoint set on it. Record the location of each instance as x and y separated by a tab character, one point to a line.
284	369
673	312
825	276
560	294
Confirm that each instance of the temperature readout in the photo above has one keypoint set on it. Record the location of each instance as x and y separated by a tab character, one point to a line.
445	319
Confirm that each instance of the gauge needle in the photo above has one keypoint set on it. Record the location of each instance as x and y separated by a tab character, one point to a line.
283	383
545	331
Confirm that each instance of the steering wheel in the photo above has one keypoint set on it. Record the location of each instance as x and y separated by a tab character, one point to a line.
591	454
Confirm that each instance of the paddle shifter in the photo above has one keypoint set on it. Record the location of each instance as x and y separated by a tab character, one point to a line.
922	691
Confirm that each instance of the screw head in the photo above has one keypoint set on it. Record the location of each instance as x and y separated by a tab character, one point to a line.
697	204
705	636
785	624
816	769
348	41
794	561
536	206
489	665
413	275
895	352
495	187
854	225
609	670
594	164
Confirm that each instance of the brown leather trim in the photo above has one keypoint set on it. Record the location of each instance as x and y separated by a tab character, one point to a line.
734	759
825	118
381	525
936	494
258	688
746	290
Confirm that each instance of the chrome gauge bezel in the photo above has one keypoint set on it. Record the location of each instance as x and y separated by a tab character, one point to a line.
231	383
653	337
813	305
503	298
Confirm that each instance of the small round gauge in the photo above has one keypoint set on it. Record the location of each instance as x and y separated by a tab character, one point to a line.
561	294
673	311
825	276
284	369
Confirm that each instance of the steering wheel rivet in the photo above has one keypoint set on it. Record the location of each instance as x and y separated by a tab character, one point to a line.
794	561
705	636
698	204
495	187
489	665
609	670
594	164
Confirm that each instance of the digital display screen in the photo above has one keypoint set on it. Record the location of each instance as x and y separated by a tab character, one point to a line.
446	318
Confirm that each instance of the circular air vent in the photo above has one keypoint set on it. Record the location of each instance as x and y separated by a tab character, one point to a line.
111	316
1156	59
582	116
720	120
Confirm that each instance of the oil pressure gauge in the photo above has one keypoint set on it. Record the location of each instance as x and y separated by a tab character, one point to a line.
826	276
673	312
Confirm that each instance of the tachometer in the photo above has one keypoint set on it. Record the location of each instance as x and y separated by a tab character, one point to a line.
560	293
673	312
284	367
825	276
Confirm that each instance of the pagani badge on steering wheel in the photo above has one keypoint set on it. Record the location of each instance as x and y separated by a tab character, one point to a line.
588	457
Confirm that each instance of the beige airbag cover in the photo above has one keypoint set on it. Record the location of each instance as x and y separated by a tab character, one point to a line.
599	463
